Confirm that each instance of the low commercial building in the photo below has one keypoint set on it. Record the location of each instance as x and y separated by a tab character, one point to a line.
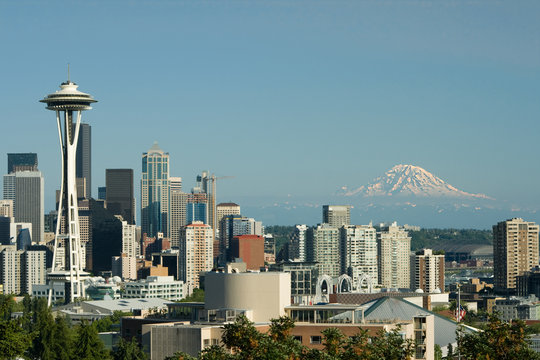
522	308
163	287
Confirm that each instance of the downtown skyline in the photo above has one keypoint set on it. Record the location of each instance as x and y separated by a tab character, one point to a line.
312	96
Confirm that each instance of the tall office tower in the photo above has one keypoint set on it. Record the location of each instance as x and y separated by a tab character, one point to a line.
155	192
359	252
26	190
223	210
297	247
106	240
84	159
323	247
196	252
393	250
22	162
102	193
337	215
177	215
67	103
234	225
427	271
515	250
130	243
197	208
119	194
6	208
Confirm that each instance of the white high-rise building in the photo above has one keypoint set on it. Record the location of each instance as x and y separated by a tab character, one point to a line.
297	247
34	269
25	189
359	252
337	215
394	246
130	243
196	252
177	215
10	269
124	266
323	247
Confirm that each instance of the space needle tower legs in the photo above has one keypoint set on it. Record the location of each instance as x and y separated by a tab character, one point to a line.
67	103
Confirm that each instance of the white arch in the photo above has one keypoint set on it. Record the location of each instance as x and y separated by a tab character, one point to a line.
319	295
344	279
369	283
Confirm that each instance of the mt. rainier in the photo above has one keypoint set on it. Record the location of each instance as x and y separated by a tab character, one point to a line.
409	180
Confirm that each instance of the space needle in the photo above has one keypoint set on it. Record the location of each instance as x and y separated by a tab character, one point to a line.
67	103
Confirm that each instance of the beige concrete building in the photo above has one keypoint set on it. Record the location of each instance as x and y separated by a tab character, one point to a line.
337	215
124	266
6	208
178	210
264	294
393	249
196	253
359	252
515	251
323	247
427	271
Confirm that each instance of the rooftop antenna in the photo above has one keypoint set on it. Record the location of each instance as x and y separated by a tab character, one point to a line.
68	72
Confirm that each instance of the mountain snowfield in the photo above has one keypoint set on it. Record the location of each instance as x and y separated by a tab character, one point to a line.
410	180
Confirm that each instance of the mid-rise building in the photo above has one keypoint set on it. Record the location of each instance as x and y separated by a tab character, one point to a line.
163	287
515	251
359	252
25	189
119	194
427	271
337	215
195	253
130	242
249	248
34	269
21	269
155	192
124	266
323	247
234	225
6	208
393	250
222	210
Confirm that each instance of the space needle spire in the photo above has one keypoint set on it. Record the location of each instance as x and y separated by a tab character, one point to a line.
68	103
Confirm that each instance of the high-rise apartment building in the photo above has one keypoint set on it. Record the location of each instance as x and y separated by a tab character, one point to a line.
130	243
196	252
25	189
224	209
22	162
177	215
234	225
427	271
297	247
20	269
155	192
83	166
337	215
359	252
119	195
393	249
515	251
323	247
197	208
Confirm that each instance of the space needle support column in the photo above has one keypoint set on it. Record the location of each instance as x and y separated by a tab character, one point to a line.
68	101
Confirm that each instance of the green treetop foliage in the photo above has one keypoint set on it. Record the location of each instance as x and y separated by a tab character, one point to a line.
129	350
196	296
498	341
88	345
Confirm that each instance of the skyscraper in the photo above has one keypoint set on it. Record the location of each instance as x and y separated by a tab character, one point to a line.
359	252
22	161
119	195
337	215
84	159
197	208
323	247
26	190
177	215
155	192
393	249
515	251
297	247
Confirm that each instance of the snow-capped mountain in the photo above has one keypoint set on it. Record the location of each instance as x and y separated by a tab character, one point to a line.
410	180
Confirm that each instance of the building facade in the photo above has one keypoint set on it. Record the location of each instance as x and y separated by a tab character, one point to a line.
515	251
323	247
196	252
119	194
427	271
83	161
177	216
249	248
359	252
162	287
393	249
155	192
337	215
297	246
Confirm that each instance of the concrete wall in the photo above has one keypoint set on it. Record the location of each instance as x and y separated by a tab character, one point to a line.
265	293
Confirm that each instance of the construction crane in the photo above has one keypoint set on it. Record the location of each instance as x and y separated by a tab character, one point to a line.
213	178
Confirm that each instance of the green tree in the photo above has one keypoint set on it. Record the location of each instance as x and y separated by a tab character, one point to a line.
14	340
129	350
42	329
390	346
88	345
438	352
499	340
63	339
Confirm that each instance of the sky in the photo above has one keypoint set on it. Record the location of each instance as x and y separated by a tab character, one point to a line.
292	98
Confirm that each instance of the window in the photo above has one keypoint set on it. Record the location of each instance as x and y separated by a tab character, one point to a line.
298	338
315	339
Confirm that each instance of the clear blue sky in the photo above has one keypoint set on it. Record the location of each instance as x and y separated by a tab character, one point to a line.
291	97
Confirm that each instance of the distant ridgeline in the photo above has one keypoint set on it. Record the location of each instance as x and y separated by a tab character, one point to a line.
436	239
